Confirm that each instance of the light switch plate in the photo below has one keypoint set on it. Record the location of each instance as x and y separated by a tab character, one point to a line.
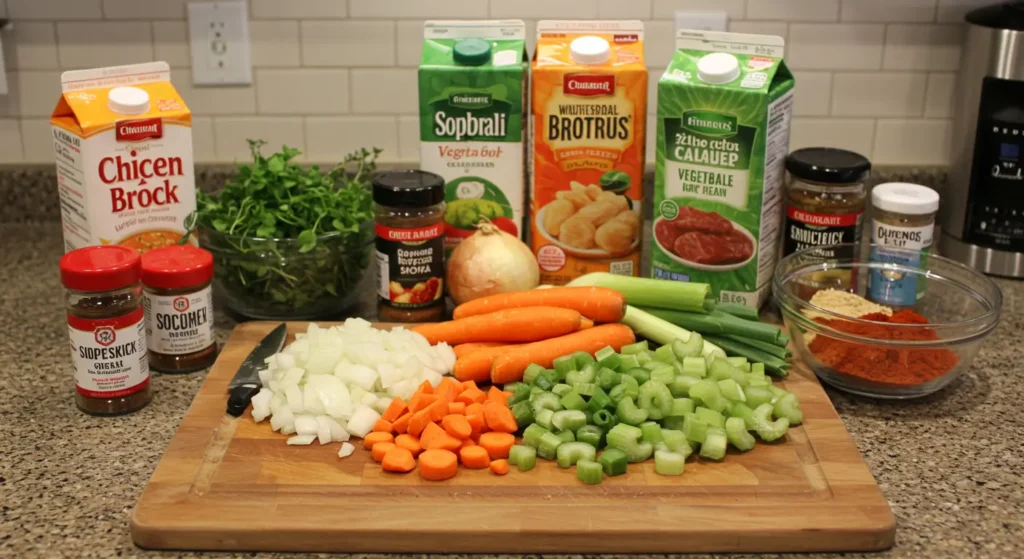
704	21
219	36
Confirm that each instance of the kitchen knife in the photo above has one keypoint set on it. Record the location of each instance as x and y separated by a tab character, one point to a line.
246	383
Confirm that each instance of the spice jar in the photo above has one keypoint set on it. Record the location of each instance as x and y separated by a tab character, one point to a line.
903	217
179	308
824	206
106	325
409	211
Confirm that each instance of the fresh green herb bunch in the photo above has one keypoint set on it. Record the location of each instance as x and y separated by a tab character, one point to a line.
289	242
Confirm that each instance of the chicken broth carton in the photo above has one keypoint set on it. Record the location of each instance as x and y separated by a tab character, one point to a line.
724	108
123	142
472	88
589	104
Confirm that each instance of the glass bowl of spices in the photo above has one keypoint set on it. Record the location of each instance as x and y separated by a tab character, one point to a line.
872	348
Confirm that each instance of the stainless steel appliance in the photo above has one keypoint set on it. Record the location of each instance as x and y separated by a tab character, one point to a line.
983	211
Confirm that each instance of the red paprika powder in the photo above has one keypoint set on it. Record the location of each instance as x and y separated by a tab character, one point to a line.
906	367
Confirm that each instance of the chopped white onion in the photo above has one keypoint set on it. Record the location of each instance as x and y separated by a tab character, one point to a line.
302	439
323	434
306	425
362	421
346	450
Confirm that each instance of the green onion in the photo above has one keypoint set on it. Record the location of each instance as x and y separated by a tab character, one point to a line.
757	395
661	331
582	359
523	412
564	364
663	374
715	443
651	292
522	457
639	452
788	407
548	445
561	389
770	349
681	407
628	413
607	357
694	429
604	419
707	393
623	436
731	390
590	434
655	398
572	452
739	311
638	347
767	429
573	401
589	472
607	378
533	434
613	461
545	401
531	372
568	420
585	388
543	418
628	362
736	432
690	348
711	417
771	363
681	385
566	436
719	324
650	432
599	400
668	463
675	440
783	340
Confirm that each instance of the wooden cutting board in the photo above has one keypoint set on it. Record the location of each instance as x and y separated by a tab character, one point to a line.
235	485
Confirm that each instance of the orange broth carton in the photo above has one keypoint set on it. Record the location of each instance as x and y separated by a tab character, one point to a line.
589	103
123	142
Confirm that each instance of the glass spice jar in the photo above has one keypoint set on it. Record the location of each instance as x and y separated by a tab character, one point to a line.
179	308
106	325
409	212
903	217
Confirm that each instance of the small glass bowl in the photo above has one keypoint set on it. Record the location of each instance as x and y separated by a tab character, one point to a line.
962	307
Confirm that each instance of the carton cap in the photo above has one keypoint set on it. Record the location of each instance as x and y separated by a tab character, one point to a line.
718	68
471	52
128	100
590	50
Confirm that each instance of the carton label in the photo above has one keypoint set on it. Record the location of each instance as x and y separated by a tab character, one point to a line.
587	85
138	130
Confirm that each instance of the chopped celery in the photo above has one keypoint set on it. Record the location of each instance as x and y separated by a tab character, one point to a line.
722	369
673	422
650	432
613	461
736	432
711	417
681	407
572	452
604	419
630	349
564	364
543	382
776	392
654	364
589	471
655	398
536	390
669	463
628	362
548	444
585	388
531	372
664	354
753	374
590	434
664	374
618	392
695	429
757	395
681	385
639	452
692	347
533	434
599	400
523	412
767	429
760	382
568	420
520	391
543	417
740	363
582	359
731	390
644	357
640	375
743	412
676	441
561	389
573	401
623	436
566	436
628	413
631	384
788	407
757	368
714	445
522	457
708	394
545	401
695	367
607	378
589	415
607	357
587	374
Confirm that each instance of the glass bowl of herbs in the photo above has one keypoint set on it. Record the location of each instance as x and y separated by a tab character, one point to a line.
290	242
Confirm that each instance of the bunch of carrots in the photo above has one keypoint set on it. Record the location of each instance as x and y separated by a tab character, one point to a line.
439	428
495	338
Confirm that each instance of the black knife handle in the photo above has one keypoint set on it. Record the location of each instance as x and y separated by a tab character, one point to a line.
240	397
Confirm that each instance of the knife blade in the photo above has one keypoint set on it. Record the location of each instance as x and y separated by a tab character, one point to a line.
246	382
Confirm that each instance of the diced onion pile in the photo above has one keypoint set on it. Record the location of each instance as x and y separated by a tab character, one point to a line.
331	383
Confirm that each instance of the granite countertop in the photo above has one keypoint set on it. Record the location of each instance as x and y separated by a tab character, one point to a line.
950	464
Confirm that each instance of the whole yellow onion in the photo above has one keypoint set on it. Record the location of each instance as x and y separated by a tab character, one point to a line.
490	261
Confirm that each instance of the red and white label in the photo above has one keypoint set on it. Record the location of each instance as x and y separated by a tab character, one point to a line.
588	85
625	38
138	130
410	235
109	355
179	324
550	258
823	220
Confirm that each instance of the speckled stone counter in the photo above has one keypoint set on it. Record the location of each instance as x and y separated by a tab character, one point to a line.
950	465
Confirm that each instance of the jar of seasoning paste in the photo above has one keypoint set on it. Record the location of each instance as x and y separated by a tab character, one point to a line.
903	217
409	211
179	308
107	329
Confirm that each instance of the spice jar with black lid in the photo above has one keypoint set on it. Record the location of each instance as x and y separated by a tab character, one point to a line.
106	325
409	212
179	308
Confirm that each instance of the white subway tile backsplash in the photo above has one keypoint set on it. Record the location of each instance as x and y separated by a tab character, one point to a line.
846	46
37	140
170	43
665	9
274	43
813	93
878	94
10	104
144	9
410	42
208	101
10	141
777	28
794	10
938	102
619	9
650	142
232	132
387	91
37	92
922	47
204	149
331	138
653	75
298	9
432	9
409	138
659	43
846	133
348	43
54	9
34	45
302	91
953	11
912	142
888	11
79	44
543	9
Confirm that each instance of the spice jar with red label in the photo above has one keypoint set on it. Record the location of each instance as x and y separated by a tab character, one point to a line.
409	212
106	325
179	308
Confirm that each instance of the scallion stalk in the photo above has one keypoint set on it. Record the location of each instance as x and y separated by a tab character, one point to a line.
739	311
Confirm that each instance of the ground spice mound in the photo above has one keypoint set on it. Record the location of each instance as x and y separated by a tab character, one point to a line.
906	367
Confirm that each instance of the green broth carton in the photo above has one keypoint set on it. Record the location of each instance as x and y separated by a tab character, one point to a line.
724	108
473	81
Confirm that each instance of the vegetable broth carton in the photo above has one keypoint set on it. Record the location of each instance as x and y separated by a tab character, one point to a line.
589	105
473	79
123	142
724	109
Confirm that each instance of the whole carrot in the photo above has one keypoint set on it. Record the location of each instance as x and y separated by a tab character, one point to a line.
477	365
527	324
509	366
599	304
465	349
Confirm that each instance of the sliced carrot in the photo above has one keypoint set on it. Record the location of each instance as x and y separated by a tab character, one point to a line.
466	349
500	418
418	422
477	365
379	450
474	457
443	441
471	396
499	467
476	408
599	304
438	410
383	426
455	385
525	324
477	423
468	442
497	396
373	438
421	401
401	425
410	443
437	465
510	366
457	407
497	444
457	426
445	393
395	410
430	432
398	460
425	388
467	384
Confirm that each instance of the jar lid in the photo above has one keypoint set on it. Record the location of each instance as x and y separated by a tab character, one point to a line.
471	52
176	266
99	268
408	189
718	68
828	165
905	198
590	50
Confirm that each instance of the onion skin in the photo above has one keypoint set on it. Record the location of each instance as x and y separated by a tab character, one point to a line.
488	262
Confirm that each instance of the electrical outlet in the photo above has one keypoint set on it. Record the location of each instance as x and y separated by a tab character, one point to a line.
703	21
219	34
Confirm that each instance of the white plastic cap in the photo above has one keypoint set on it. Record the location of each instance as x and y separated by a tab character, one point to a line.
590	50
905	198
718	68
128	100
